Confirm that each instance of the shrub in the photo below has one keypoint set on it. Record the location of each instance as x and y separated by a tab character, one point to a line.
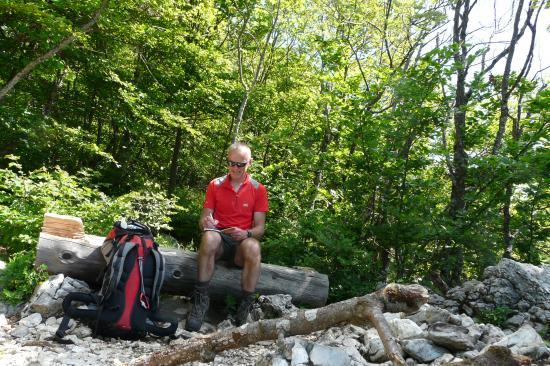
324	242
497	316
19	278
25	197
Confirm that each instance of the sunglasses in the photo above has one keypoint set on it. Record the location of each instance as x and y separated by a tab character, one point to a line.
237	164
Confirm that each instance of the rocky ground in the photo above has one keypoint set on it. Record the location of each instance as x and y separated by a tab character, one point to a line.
443	332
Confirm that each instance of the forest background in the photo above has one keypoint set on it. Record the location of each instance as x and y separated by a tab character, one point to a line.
395	142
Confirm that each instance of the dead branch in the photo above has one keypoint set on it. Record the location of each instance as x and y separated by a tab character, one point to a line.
392	298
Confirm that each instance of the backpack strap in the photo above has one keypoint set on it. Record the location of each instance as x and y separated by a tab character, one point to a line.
159	277
152	328
117	243
73	312
116	268
142	250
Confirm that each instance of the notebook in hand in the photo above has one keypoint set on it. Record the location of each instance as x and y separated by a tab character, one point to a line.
216	230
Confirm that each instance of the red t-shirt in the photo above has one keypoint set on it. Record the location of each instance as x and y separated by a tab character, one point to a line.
235	209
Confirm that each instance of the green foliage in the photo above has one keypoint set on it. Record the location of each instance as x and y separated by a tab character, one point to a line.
231	304
497	316
350	119
19	278
185	221
321	241
26	197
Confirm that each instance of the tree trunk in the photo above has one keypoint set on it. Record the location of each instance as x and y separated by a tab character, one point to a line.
260	72
504	114
99	132
452	271
54	91
325	142
506	236
504	86
64	43
78	255
392	298
239	118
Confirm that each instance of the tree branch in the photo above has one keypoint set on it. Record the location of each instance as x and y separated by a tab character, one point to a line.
64	43
392	298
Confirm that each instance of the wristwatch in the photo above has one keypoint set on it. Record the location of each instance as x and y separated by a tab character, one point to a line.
248	233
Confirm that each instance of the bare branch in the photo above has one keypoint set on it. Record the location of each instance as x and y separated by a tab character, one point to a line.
392	298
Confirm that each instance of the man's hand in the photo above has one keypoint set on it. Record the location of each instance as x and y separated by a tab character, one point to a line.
236	233
208	222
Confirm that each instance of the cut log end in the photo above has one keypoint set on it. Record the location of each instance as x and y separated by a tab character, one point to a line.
63	226
403	298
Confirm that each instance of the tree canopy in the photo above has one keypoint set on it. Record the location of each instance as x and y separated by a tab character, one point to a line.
395	145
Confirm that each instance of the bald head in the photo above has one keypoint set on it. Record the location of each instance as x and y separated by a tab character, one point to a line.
241	148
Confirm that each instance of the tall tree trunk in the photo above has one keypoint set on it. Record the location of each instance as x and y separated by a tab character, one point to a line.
239	119
506	236
174	163
92	106
327	137
260	71
505	92
64	43
99	133
385	44
54	91
452	272
504	86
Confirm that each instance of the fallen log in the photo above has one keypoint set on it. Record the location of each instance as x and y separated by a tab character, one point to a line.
358	310
78	255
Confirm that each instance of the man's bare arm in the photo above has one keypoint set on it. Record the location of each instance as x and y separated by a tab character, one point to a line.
259	225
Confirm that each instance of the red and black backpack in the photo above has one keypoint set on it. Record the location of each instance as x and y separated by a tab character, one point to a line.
127	306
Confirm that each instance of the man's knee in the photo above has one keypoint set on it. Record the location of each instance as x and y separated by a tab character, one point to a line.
210	243
251	250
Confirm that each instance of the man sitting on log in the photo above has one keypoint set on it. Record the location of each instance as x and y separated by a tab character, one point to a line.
233	221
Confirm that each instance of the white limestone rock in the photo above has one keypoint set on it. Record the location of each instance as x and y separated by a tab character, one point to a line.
3	320
404	328
375	350
525	336
322	355
48	297
450	336
423	350
355	356
430	314
466	321
20	331
491	334
517	320
31	321
299	355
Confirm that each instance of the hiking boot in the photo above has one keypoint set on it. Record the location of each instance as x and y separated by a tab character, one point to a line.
201	301
244	309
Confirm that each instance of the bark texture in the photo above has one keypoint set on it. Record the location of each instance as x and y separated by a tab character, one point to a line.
392	298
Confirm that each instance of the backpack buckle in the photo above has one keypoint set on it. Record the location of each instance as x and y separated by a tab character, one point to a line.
144	301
